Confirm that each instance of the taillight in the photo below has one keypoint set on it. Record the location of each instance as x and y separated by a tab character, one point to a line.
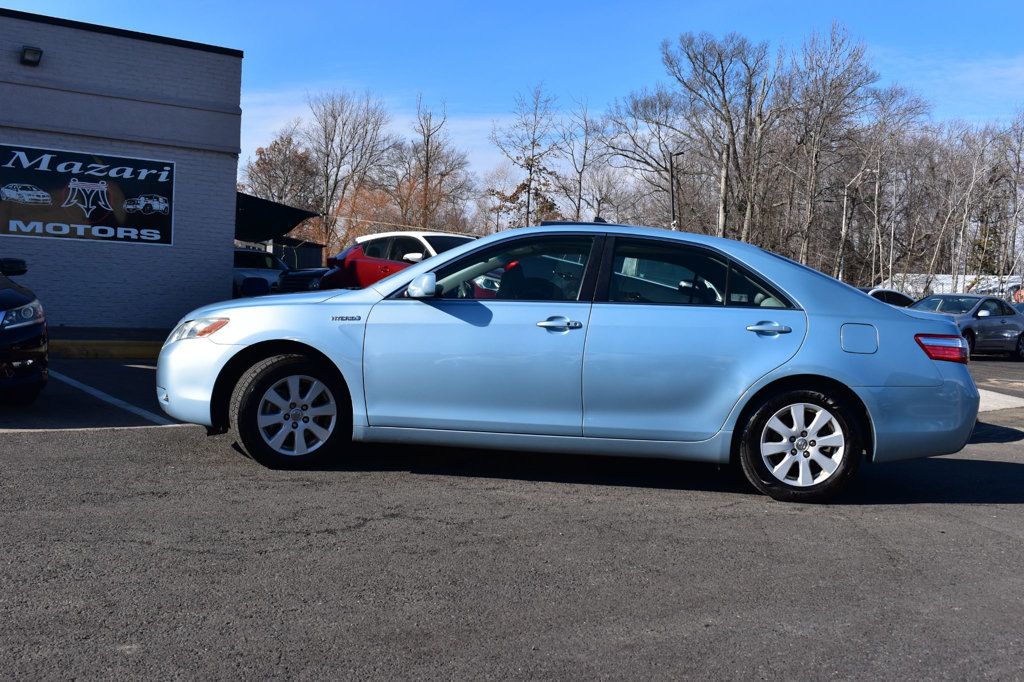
948	347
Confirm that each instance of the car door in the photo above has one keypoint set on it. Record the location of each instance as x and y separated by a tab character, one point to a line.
989	327
677	334
372	264
471	361
1010	326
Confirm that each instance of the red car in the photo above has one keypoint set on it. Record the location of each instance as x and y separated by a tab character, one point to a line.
376	256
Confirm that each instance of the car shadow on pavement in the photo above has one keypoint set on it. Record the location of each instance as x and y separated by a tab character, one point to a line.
937	480
994	433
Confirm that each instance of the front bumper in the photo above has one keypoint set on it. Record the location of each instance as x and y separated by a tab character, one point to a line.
23	356
911	422
185	376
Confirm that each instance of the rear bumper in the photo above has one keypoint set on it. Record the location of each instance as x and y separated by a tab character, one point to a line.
185	376
912	422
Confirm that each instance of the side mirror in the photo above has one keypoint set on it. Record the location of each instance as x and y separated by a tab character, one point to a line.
424	286
413	257
12	266
983	313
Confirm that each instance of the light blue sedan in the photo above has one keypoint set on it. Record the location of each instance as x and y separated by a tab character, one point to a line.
587	338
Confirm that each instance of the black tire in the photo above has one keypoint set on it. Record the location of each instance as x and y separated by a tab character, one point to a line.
760	476
21	397
248	402
969	335
1018	353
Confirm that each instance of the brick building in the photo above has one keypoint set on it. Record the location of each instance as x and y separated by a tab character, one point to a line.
118	161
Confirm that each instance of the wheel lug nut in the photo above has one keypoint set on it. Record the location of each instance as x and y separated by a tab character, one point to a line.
793	451
803	434
292	406
295	425
812	443
305	407
792	439
806	455
305	419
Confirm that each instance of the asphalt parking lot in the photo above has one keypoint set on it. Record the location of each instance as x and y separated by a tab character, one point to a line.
134	549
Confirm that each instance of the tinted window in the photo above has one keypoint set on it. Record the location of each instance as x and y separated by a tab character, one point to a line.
441	243
376	248
538	269
255	260
946	304
1005	309
403	245
896	298
658	272
991	306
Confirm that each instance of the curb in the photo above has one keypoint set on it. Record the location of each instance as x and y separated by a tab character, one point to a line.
125	350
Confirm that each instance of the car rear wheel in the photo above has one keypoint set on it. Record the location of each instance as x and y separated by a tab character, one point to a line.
1018	352
290	411
801	446
969	336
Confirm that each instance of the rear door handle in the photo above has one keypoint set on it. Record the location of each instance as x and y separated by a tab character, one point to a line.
768	328
559	324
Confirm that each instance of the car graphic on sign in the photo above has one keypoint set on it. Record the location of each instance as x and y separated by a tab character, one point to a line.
24	194
147	203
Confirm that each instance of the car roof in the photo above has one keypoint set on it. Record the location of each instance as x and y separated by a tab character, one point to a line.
411	233
961	296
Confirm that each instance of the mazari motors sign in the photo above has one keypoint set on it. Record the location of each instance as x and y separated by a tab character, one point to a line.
50	193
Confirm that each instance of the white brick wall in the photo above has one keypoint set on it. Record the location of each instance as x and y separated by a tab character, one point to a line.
109	94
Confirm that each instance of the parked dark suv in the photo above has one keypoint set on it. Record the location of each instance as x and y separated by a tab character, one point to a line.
23	338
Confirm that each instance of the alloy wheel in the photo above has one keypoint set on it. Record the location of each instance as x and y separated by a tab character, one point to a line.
802	445
297	415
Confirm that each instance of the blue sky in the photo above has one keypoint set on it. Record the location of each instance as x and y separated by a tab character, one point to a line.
965	58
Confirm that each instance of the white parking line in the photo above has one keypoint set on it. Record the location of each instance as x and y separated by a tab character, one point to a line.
992	401
107	398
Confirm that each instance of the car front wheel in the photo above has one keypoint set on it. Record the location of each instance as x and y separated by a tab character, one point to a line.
290	411
801	446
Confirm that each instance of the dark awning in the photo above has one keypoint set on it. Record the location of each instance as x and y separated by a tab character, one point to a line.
259	220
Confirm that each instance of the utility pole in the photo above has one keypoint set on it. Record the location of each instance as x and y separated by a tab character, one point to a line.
672	187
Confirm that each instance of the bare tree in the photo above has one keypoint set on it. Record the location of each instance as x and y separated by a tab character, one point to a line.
579	149
347	138
283	170
527	142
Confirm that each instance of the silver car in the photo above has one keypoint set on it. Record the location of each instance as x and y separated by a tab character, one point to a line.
989	324
585	338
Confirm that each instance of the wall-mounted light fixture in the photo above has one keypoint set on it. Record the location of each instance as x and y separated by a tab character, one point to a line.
31	56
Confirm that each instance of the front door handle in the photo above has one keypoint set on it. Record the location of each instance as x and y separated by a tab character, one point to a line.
559	324
768	328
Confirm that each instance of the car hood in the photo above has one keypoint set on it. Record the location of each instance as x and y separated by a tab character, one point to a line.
13	295
276	300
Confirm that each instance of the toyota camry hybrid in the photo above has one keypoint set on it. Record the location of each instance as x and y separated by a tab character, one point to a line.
586	338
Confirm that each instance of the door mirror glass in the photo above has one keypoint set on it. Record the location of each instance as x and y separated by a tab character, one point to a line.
424	286
12	266
412	257
983	313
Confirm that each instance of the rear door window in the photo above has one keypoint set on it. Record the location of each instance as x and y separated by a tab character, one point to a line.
401	246
661	273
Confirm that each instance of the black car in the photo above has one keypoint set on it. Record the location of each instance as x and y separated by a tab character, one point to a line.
307	279
23	338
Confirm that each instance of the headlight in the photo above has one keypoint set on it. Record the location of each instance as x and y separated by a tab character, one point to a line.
23	316
192	329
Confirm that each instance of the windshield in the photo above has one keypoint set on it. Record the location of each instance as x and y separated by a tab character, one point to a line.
442	243
946	304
